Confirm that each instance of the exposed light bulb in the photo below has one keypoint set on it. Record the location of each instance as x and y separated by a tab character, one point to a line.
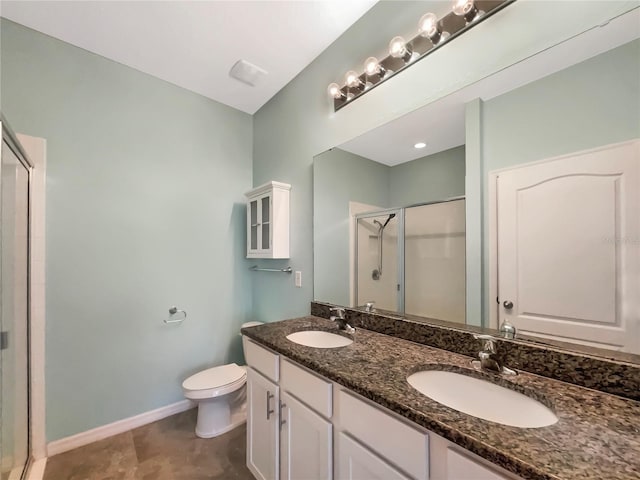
398	48
420	145
372	67
466	9
462	7
428	27
352	79
335	91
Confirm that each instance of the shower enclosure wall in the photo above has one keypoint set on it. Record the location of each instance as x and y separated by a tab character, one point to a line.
16	174
412	260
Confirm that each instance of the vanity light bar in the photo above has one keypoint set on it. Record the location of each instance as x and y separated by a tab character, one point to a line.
432	34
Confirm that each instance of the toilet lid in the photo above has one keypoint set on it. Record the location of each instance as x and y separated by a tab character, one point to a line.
251	324
215	377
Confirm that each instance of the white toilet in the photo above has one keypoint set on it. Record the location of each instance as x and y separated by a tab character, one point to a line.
221	396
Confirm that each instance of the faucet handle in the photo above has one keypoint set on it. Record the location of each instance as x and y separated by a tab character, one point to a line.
339	310
370	307
488	343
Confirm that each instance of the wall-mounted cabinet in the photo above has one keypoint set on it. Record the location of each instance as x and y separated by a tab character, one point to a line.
268	221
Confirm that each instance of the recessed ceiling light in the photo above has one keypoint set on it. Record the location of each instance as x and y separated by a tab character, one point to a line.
420	145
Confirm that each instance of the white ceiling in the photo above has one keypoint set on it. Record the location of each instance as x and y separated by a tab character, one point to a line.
441	124
194	44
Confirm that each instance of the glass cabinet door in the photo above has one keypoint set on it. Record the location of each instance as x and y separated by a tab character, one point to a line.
266	222
253	225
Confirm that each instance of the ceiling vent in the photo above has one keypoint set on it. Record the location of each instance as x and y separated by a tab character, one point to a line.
247	73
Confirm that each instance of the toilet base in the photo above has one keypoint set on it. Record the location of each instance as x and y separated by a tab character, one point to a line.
215	417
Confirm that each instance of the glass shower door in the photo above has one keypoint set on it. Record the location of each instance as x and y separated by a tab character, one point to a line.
378	269
435	267
14	320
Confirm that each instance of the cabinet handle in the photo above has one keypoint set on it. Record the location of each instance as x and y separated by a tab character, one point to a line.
283	420
269	397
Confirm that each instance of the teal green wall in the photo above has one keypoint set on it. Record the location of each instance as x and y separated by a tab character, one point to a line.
428	179
340	177
593	103
299	121
145	209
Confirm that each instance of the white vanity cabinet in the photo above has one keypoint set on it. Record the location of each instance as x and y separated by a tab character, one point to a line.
268	221
263	397
286	438
302	426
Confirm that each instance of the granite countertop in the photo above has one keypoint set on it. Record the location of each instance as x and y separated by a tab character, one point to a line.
597	435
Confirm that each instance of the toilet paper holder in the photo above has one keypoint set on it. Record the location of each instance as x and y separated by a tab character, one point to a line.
175	311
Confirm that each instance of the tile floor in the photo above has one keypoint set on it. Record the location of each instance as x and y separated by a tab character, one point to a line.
164	450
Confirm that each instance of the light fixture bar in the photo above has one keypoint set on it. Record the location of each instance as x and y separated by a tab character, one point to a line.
402	54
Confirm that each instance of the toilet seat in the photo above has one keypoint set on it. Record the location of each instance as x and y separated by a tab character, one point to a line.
215	381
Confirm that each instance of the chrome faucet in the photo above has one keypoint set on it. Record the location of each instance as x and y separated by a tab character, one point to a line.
340	320
489	358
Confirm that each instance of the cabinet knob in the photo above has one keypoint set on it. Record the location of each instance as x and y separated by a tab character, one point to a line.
508	304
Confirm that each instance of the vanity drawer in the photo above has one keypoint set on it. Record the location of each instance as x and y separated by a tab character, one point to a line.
389	437
316	392
259	358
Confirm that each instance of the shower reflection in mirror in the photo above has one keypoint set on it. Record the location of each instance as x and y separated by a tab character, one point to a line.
412	260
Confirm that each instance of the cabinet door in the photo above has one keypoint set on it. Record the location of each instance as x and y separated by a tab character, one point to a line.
306	442
253	226
461	467
262	426
260	225
357	463
266	230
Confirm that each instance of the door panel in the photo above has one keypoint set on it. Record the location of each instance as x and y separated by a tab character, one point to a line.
568	234
306	442
355	462
262	426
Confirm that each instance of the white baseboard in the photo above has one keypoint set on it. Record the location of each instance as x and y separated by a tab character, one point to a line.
36	470
121	426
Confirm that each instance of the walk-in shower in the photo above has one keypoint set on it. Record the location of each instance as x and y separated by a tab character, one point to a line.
421	250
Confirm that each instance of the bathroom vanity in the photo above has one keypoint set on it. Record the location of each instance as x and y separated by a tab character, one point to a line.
349	413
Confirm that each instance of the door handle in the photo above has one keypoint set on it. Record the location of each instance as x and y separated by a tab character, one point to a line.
508	304
269	397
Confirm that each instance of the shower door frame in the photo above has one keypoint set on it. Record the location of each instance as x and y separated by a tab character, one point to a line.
400	254
10	138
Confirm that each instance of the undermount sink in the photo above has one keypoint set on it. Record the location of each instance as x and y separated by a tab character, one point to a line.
482	399
319	339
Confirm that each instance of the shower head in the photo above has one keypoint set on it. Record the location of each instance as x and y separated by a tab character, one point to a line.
389	219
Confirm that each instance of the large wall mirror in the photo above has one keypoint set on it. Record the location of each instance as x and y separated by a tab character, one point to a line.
526	197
